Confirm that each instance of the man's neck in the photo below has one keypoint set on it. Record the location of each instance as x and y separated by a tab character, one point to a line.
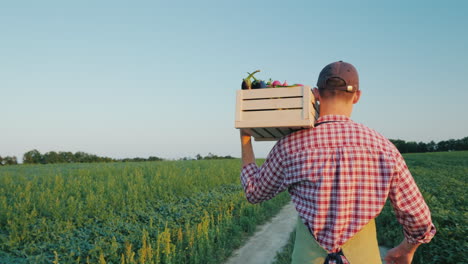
327	108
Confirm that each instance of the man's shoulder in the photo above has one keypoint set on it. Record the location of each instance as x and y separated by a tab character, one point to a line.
372	132
348	133
375	137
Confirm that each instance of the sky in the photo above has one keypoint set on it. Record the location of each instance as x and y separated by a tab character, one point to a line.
158	78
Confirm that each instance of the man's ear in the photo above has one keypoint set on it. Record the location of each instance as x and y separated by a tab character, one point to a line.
357	96
316	93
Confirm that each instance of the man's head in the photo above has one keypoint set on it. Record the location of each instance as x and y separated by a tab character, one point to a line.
338	86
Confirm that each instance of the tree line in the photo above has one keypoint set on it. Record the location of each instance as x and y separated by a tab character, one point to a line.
444	145
211	156
51	157
35	157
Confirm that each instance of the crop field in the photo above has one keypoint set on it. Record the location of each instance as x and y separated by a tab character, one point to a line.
148	212
442	179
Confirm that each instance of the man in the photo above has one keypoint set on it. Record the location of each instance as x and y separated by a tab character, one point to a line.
339	175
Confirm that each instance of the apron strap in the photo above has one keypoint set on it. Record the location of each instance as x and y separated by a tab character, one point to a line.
334	256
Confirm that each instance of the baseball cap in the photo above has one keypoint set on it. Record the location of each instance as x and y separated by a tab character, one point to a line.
340	70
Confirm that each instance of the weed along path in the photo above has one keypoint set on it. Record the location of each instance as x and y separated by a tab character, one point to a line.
270	238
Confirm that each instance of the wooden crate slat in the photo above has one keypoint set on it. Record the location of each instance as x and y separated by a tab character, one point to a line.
275	132
274	123
272	93
265	139
267	104
238	105
285	130
282	131
272	115
254	133
306	104
263	132
312	112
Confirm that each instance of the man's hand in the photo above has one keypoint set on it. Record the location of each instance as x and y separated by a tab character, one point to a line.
402	254
246	145
245	136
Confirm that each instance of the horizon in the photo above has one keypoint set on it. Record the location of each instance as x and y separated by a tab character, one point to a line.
20	159
144	79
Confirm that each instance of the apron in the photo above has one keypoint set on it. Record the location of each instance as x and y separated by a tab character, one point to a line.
362	248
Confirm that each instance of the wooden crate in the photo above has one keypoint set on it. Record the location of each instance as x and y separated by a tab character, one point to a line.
272	113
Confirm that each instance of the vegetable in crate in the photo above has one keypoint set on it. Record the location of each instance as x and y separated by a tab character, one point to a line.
246	83
275	84
257	84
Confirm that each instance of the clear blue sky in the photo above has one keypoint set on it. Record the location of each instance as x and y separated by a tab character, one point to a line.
140	78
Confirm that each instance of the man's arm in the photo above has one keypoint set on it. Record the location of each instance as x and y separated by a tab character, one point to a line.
264	183
402	254
412	212
247	150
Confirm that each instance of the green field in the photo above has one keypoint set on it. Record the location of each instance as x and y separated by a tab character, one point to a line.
148	212
183	211
442	179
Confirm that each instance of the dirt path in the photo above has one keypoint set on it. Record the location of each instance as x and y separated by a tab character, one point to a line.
261	248
270	238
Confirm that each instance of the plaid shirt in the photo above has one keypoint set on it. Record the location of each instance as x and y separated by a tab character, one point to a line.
339	176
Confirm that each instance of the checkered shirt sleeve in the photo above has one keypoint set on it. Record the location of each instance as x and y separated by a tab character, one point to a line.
410	208
265	182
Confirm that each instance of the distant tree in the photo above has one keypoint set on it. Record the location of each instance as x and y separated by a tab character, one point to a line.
66	157
421	147
448	145
33	157
51	157
10	160
431	146
81	157
411	147
452	144
463	144
211	156
400	145
106	159
442	145
152	158
1	161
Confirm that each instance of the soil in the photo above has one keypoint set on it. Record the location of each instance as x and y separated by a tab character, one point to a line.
270	238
